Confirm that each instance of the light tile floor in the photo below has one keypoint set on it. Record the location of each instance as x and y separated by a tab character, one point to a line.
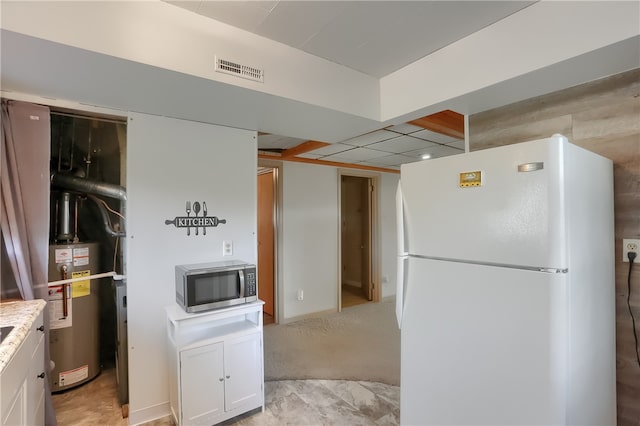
287	402
326	402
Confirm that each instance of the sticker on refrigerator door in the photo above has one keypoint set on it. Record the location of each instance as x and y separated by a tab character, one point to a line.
80	288
81	256
64	255
76	375
60	307
470	179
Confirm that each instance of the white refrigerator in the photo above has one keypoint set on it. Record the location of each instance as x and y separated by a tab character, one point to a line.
505	295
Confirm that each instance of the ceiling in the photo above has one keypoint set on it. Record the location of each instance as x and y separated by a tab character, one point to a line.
322	62
386	148
372	37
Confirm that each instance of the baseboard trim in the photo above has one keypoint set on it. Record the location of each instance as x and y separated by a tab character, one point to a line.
305	316
149	414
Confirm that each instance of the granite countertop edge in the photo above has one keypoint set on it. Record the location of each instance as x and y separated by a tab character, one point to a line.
20	315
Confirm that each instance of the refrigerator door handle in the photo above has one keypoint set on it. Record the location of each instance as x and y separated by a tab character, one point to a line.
403	263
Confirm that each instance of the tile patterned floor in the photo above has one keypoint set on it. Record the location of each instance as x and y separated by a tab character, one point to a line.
326	402
287	402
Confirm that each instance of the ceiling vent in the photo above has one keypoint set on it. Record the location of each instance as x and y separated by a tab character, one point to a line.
239	70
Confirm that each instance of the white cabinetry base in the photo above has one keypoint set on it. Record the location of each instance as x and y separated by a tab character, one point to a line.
216	363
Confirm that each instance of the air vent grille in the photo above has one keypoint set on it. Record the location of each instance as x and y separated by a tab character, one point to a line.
239	70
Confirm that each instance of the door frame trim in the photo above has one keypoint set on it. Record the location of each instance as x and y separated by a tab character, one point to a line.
276	166
375	232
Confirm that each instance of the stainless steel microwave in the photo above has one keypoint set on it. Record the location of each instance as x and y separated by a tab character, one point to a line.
206	286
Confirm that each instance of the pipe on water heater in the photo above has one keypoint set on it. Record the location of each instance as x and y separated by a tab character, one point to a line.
64	218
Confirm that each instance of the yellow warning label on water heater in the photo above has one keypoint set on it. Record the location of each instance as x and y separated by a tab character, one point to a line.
81	288
468	179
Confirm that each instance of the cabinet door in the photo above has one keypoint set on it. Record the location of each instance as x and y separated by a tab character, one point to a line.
17	412
202	384
243	371
35	384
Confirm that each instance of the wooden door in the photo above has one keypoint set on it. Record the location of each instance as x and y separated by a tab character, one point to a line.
351	231
367	211
266	240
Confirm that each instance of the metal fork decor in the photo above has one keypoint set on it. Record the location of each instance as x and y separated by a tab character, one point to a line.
195	221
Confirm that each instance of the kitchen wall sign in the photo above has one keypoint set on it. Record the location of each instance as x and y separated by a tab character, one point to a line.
195	221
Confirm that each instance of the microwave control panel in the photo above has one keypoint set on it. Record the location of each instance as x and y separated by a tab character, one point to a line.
250	284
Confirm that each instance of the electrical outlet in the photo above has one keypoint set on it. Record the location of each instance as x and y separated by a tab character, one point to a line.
227	248
630	245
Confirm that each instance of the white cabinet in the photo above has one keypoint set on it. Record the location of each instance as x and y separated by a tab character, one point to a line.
22	381
217	363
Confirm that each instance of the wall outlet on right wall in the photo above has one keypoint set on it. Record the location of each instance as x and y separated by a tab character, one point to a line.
630	245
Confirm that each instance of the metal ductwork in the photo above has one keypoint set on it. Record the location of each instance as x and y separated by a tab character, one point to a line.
89	187
65	181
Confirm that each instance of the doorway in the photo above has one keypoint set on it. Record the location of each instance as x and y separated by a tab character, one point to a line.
357	284
267	205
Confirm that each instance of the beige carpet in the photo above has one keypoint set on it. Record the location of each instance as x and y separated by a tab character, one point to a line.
360	343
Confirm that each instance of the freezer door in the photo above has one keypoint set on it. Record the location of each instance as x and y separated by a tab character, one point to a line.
482	346
503	205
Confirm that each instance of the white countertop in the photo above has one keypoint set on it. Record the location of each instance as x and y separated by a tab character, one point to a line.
20	315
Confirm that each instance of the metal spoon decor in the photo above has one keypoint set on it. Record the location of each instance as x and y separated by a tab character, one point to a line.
196	209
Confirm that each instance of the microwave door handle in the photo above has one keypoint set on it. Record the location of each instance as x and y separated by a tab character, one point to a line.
241	274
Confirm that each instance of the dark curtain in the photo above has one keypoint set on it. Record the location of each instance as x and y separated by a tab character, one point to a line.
26	146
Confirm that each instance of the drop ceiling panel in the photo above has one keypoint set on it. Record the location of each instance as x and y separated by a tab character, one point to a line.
391	160
277	142
401	144
369	138
404	128
355	155
457	144
331	149
435	152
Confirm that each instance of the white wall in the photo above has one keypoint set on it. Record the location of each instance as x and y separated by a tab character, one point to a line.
387	193
169	162
310	238
310	231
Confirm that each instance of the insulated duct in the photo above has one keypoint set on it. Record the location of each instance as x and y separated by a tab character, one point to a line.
65	181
